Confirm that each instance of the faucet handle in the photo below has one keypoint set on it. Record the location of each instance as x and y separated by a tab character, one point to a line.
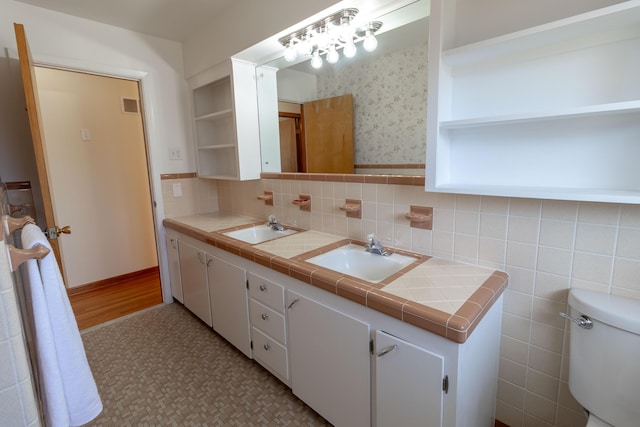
272	219
371	238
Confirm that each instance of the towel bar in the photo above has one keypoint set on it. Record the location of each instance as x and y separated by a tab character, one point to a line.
18	256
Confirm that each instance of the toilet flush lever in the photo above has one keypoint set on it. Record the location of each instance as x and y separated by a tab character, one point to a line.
582	321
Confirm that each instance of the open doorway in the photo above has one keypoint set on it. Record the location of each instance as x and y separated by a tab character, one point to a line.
99	177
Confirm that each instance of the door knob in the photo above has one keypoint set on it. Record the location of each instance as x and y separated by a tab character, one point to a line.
64	230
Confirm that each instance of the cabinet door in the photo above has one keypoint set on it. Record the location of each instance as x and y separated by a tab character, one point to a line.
229	305
173	259
330	361
193	271
408	389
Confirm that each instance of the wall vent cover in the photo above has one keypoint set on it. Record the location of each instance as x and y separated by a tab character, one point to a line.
130	105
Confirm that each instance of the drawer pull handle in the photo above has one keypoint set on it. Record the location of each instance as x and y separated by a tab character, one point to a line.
263	288
293	302
387	350
264	316
267	347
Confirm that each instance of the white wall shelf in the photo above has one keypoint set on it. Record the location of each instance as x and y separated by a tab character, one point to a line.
216	147
217	115
599	26
226	121
552	111
587	113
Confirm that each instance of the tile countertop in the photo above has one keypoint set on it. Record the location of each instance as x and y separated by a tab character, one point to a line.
444	297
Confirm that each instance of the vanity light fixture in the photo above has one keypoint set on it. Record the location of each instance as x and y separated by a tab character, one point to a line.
328	35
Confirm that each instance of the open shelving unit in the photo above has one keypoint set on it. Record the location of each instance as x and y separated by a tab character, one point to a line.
551	111
224	97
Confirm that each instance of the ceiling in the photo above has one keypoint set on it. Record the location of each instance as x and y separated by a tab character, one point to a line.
168	19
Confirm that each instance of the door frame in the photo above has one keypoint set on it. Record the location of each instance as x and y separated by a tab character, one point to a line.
148	97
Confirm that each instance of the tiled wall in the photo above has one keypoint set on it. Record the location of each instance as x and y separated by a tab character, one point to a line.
546	246
17	398
197	195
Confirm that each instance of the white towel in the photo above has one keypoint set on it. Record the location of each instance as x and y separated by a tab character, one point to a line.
69	393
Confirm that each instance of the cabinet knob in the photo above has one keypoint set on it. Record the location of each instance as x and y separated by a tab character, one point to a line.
264	316
263	287
267	346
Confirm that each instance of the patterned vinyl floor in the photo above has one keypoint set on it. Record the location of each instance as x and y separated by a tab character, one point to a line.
163	367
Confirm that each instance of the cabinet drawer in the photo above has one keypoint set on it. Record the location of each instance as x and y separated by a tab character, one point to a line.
270	354
268	293
268	321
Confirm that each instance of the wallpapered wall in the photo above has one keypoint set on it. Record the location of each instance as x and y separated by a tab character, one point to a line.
390	97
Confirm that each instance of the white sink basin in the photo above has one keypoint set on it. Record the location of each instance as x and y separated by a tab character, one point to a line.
355	261
258	234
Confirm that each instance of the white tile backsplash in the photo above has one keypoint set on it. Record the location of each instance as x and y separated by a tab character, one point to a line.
557	234
595	238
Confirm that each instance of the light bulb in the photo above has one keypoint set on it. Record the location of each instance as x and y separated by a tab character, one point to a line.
316	61
305	47
290	53
370	43
349	49
332	55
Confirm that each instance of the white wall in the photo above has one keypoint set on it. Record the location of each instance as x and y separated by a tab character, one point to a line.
83	44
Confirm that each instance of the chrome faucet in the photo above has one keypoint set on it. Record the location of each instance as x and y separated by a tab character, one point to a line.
274	224
375	247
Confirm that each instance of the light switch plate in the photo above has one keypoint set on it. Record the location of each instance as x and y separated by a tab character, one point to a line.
177	190
175	154
85	134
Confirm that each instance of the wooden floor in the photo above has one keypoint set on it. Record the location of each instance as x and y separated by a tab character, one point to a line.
116	300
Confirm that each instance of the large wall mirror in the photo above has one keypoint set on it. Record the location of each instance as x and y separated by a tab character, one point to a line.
304	112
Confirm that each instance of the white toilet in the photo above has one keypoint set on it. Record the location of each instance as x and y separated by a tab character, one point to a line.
604	363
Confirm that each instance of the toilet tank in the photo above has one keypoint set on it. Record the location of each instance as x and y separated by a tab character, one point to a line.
604	362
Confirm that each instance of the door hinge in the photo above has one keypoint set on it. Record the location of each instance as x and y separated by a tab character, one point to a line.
445	384
371	346
251	344
247	282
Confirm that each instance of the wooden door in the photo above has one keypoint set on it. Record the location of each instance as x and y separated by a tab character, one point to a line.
329	134
288	146
33	111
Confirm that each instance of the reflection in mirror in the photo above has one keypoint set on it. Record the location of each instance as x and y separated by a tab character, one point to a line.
389	92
